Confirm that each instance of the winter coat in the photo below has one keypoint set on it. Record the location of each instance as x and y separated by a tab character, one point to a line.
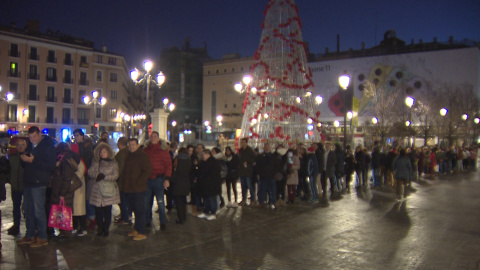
120	157
360	161
221	159
266	166
137	172
340	166
303	171
109	168
320	158
376	159
160	160
246	155
4	172
402	168
349	164
39	172
209	180
292	178
16	172
330	164
64	181
389	160
312	165
181	175
79	197
232	164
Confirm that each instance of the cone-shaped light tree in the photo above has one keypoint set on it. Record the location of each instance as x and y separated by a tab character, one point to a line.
279	105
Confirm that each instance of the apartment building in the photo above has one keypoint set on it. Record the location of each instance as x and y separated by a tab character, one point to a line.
50	73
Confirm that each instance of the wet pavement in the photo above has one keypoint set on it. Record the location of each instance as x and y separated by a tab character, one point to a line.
437	227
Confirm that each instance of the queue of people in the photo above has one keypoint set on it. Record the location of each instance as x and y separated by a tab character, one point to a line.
92	178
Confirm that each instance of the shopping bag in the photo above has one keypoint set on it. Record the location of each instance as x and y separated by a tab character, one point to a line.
60	216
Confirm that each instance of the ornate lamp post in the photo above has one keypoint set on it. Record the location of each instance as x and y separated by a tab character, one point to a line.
344	81
95	101
147	78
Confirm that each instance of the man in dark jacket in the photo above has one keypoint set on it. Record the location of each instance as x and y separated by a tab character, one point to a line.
209	182
120	157
330	163
247	158
16	184
340	166
266	165
38	165
319	153
376	163
136	173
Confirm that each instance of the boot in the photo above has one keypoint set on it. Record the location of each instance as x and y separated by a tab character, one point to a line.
14	230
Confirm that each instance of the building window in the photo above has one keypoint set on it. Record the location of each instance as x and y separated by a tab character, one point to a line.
234	105
217	71
99	76
113	94
81	94
83	78
68	59
51	74
112	61
225	70
49	118
14	50
12	113
82	116
66	116
32	92
31	114
13	87
113	77
83	61
33	53
241	68
233	69
50	94
51	57
208	72
68	76
226	106
98	113
33	74
99	59
113	112
214	105
13	72
67	95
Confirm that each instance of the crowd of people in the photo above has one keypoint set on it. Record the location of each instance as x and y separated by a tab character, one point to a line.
91	178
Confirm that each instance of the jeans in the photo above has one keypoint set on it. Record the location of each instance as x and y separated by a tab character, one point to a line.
90	210
155	187
17	204
137	204
313	186
210	204
125	210
34	207
247	183
267	186
376	177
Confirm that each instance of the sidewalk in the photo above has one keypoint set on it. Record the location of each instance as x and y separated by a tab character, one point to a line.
437	227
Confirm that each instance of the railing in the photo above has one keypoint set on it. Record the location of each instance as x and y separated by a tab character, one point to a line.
33	56
14	53
68	80
83	82
50	99
83	64
33	97
13	74
51	59
83	121
33	76
68	62
50	120
68	100
67	121
51	79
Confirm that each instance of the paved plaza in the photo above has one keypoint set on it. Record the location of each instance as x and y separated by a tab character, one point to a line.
437	227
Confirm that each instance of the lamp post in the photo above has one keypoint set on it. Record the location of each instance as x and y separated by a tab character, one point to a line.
344	81
95	101
443	112
147	78
409	101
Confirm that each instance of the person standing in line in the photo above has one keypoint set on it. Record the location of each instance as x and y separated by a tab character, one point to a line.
39	165
302	188
85	150
120	157
221	159
319	153
104	168
197	160
16	184
79	210
266	165
360	166
376	162
232	176
247	158
136	174
160	179
181	183
330	163
403	171
292	179
313	171
281	176
209	183
349	167
168	192
340	166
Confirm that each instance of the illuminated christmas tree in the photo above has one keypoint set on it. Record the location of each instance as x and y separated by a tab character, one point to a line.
279	106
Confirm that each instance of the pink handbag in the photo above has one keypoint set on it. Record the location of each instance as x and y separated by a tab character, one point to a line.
60	216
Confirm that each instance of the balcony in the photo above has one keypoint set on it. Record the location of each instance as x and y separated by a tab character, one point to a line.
33	97
52	60
33	57
68	62
83	82
68	80
50	99
84	64
13	73
33	76
67	121
68	100
83	121
14	53
50	120
51	79
16	95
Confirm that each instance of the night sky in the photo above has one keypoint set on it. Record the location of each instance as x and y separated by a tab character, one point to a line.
140	29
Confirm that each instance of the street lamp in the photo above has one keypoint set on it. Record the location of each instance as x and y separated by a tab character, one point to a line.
464	117
409	101
219	120
318	100
8	97
147	78
95	101
375	120
443	111
241	87
344	81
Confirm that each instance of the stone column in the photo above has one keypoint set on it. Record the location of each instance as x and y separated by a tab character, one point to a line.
159	119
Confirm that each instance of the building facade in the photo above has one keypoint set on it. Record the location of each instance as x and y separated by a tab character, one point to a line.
49	74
